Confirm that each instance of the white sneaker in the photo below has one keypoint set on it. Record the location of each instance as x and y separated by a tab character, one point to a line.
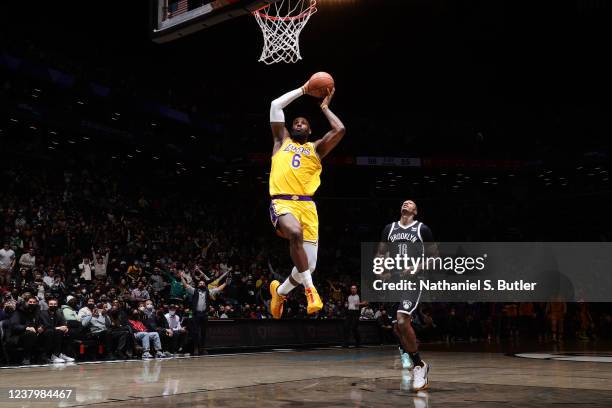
420	381
66	358
406	361
56	360
146	355
159	354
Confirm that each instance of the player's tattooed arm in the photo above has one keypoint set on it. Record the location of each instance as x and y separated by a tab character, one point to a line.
333	137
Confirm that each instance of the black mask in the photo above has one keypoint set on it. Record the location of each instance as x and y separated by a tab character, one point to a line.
52	308
31	307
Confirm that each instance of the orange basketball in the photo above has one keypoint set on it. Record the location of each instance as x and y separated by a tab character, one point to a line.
319	84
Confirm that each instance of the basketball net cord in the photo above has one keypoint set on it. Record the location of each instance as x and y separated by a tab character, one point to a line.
281	24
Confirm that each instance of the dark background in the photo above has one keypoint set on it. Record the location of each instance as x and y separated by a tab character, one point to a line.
473	81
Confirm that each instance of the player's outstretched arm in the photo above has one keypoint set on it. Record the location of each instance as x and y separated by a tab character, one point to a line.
333	137
277	116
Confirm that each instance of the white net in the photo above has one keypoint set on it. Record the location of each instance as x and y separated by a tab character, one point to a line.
281	24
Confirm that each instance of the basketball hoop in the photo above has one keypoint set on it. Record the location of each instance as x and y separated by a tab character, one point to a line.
281	24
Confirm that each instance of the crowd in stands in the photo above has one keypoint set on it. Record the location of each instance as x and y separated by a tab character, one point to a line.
83	261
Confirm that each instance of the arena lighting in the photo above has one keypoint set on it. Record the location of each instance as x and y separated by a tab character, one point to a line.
193	137
155	158
81	102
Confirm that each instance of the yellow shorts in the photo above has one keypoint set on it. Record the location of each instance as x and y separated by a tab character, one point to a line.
304	211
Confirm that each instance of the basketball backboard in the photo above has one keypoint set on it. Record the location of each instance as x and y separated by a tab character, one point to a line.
172	19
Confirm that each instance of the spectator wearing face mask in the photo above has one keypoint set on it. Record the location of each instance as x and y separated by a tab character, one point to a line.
200	301
145	337
155	322
86	310
176	342
23	324
99	327
72	319
52	334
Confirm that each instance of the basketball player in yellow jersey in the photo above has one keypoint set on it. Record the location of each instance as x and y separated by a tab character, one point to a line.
294	178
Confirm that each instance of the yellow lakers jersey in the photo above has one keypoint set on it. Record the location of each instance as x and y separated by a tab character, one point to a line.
296	169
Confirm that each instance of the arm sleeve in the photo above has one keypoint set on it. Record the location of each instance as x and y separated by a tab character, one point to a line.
277	105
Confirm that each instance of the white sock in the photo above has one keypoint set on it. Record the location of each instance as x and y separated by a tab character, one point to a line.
287	286
307	279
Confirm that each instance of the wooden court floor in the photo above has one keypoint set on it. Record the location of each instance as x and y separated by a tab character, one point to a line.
366	377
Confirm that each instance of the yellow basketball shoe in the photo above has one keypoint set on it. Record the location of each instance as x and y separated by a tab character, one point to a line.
277	302
314	301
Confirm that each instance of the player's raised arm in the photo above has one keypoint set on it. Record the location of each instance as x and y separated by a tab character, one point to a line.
333	137
277	116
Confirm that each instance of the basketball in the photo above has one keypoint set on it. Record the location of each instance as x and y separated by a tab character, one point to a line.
319	84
